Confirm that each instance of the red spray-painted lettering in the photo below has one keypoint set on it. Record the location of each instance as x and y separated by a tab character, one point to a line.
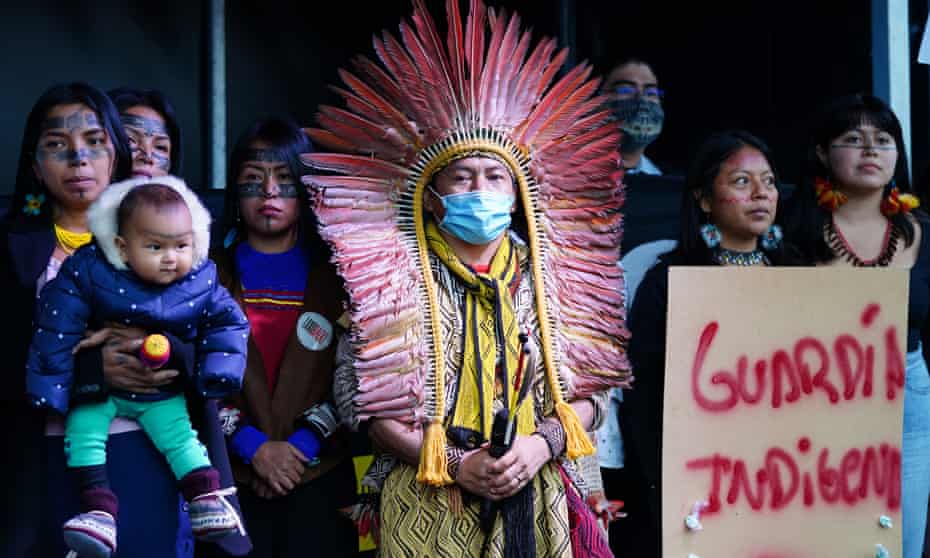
844	373
873	472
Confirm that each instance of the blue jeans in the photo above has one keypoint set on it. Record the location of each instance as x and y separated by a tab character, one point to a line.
915	455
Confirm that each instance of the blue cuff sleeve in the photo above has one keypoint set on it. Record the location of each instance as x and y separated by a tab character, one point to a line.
246	441
307	442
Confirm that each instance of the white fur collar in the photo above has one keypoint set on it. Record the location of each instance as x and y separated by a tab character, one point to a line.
101	217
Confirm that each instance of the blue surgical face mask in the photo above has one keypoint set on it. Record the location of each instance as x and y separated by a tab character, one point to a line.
476	217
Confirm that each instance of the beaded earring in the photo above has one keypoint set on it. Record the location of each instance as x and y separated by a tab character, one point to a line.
771	238
711	235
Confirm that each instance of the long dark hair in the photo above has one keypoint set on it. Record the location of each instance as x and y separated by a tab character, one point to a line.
65	94
287	138
128	97
699	184
804	219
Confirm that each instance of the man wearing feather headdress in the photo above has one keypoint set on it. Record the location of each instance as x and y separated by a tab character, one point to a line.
473	212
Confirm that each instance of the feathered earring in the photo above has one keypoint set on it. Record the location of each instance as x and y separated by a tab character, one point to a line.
828	197
896	202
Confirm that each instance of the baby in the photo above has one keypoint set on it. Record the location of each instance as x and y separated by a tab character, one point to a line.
149	269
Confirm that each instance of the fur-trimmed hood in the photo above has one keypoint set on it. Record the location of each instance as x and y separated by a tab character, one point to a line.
101	217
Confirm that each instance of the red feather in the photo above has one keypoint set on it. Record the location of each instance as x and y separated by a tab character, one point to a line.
474	51
387	112
505	71
357	165
355	128
564	115
553	101
329	140
435	52
456	47
510	83
488	73
396	60
527	85
349	182
379	80
430	76
553	66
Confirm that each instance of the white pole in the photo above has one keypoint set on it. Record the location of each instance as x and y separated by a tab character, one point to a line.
891	62
216	45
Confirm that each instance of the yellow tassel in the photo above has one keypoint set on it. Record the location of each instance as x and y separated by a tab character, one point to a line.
577	442
456	506
432	468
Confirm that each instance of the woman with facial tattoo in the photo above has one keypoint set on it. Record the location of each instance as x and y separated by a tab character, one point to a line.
73	148
855	207
728	214
151	125
291	465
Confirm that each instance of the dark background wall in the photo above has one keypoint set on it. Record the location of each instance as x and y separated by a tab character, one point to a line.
756	65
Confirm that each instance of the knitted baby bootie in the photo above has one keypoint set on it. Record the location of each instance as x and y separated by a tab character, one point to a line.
213	517
91	534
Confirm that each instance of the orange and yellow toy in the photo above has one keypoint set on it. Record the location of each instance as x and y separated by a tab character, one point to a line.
155	351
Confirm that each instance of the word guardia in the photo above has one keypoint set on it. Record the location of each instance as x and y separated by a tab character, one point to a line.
842	368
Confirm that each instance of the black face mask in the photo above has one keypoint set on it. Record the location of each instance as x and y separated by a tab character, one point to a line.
640	120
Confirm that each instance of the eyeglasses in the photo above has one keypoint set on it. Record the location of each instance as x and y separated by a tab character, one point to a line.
648	93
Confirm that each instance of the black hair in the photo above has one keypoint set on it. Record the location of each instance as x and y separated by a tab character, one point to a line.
628	59
286	138
699	183
128	97
27	183
154	195
804	219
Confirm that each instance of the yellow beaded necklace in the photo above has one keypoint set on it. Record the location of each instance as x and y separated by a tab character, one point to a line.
71	241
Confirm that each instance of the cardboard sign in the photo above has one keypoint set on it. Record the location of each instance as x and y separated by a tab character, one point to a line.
783	412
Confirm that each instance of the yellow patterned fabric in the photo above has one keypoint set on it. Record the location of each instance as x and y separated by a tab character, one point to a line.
490	324
417	523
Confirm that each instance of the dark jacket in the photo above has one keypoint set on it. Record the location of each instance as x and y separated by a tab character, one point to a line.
89	291
305	377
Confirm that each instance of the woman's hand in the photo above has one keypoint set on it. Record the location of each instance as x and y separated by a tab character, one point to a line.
122	368
513	470
280	465
261	488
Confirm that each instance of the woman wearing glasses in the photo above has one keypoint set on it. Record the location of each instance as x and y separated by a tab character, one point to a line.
854	207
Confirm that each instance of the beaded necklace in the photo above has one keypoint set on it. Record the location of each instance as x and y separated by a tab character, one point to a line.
731	257
71	241
841	247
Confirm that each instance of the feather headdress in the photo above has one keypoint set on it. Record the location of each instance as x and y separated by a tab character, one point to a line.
429	103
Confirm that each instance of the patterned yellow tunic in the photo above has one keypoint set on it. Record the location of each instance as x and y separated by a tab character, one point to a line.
416	520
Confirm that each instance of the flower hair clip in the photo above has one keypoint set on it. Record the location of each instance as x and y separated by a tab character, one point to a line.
897	202
827	197
33	204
